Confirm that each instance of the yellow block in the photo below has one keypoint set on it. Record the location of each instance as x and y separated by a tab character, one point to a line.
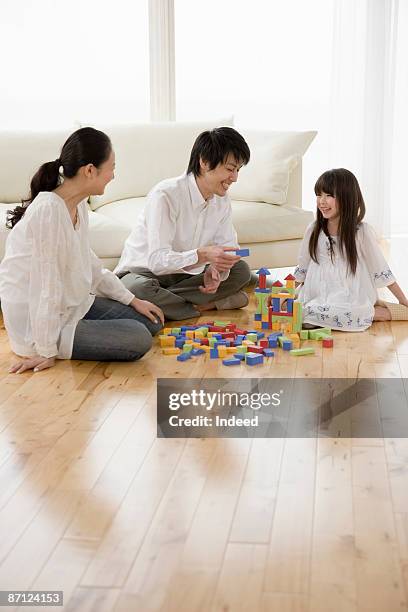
189	341
171	351
167	331
196	344
276	326
167	341
247	342
198	334
222	351
231	350
206	348
257	325
190	333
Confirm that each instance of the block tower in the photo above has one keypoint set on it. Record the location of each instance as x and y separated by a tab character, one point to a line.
273	317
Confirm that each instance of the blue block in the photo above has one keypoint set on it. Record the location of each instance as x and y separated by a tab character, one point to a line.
260	335
276	304
239	339
287	345
183	356
275	334
265	325
268	352
217	336
252	359
272	342
258	317
231	362
262	290
240	356
289	305
242	252
180	342
197	351
213	353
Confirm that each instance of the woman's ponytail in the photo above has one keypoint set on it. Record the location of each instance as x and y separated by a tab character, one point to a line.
45	179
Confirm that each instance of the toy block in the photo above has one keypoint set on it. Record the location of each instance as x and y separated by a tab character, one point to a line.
166	331
231	350
247	343
196	345
252	359
241	349
176	331
222	352
239	338
265	325
289	305
313	333
212	341
304	334
327	342
221	323
240	356
190	333
297	316
189	341
276	304
206	348
197	351
167	341
325	336
187	348
171	351
258	324
184	357
302	351
213	353
208	323
255	349
263	343
281	340
198	335
180	343
253	337
204	342
275	325
231	362
268	352
287	345
272	343
258	316
242	252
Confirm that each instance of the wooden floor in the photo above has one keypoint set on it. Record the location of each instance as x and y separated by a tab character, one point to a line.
93	504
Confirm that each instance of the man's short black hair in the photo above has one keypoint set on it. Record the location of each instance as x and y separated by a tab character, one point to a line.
214	146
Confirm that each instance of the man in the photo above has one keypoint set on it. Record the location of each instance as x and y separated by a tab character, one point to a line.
180	254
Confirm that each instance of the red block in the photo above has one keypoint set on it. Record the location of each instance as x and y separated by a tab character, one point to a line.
216	328
327	343
228	335
205	341
241	332
264	343
255	349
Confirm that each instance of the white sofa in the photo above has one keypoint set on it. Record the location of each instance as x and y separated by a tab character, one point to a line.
266	200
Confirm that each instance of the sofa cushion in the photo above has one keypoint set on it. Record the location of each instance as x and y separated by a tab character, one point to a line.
147	154
254	221
107	235
273	157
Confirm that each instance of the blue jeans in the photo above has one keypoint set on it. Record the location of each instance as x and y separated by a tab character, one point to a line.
111	331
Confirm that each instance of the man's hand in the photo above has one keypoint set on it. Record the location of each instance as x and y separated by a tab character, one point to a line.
36	363
218	256
149	310
211	280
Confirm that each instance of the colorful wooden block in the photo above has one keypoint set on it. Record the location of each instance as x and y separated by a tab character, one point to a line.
268	352
304	334
242	252
287	345
240	356
252	359
327	342
171	351
302	351
213	353
231	362
184	357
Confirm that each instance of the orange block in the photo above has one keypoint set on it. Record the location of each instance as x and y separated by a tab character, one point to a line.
167	341
171	351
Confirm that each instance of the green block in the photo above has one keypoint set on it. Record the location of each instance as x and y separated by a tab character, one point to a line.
304	334
241	349
282	339
314	333
187	348
211	342
302	351
176	330
221	323
325	337
203	330
252	337
277	289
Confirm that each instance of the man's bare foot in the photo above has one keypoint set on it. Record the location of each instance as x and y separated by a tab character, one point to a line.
381	313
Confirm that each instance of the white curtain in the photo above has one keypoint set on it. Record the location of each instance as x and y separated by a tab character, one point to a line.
363	99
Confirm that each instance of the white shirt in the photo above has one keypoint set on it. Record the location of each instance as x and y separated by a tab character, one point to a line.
49	277
176	221
330	294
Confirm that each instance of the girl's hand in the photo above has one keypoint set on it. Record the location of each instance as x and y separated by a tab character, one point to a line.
149	310
36	364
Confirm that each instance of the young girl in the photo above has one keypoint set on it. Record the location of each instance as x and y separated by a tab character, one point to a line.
49	276
340	263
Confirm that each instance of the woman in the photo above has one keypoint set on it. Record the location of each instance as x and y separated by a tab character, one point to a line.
49	276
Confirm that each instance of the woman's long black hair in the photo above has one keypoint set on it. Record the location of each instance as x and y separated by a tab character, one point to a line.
85	146
343	185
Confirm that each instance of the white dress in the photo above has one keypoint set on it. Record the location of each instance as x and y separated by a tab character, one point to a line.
333	296
49	278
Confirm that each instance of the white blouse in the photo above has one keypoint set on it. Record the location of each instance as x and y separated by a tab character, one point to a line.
330	294
49	278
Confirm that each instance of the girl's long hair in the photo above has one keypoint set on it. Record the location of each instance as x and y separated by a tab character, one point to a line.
85	146
343	185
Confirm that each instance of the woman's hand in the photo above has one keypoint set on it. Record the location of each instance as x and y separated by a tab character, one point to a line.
149	310
36	364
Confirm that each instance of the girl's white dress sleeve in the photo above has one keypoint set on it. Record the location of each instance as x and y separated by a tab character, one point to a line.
378	268
304	256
